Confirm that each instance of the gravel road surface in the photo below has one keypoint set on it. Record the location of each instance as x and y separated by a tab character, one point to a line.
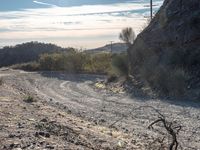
78	96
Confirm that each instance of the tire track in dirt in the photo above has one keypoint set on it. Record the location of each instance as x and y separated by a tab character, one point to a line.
76	92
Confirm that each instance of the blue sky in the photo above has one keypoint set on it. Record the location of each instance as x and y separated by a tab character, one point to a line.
23	4
76	23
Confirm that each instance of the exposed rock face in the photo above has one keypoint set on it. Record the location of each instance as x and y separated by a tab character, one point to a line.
174	29
166	55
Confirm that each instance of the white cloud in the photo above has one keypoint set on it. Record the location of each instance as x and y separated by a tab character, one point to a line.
47	4
84	23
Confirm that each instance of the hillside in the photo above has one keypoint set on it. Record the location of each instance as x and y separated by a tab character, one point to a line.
116	48
166	55
26	52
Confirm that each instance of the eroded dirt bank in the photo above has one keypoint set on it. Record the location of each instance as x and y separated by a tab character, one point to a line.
70	113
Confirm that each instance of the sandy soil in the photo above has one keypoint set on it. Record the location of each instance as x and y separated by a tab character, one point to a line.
70	113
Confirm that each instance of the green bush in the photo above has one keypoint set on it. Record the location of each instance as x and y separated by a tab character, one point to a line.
72	62
120	64
98	63
1	82
51	61
80	62
166	71
111	78
31	66
178	84
166	81
29	99
76	62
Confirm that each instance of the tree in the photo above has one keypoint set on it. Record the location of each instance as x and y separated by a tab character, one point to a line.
127	35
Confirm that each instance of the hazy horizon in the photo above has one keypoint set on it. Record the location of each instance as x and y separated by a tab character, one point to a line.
70	23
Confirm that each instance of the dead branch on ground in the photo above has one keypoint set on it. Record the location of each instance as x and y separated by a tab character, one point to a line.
173	131
134	109
169	126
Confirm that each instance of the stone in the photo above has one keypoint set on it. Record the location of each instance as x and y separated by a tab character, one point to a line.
12	135
44	120
41	133
49	147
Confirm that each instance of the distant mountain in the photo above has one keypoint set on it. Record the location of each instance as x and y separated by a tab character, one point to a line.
116	48
27	52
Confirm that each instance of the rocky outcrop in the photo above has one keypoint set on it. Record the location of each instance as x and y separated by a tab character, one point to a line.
168	50
174	29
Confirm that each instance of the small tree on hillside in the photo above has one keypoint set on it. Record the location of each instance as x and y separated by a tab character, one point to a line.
127	35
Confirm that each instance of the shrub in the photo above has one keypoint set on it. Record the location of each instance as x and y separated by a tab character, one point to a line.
178	82
120	64
80	62
111	78
98	63
31	66
71	62
164	70
50	61
1	82
166	81
75	62
29	99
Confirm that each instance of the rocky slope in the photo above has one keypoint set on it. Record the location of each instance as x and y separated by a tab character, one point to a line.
171	40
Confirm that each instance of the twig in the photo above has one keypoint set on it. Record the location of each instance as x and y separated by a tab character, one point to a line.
130	113
111	125
168	126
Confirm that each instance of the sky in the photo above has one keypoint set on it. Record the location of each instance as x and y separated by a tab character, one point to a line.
71	23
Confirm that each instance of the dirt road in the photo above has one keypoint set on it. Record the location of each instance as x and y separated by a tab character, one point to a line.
77	96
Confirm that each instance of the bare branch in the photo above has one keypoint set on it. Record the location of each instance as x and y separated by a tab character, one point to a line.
172	131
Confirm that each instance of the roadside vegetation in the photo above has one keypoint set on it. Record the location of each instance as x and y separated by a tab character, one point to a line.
79	62
120	64
1	81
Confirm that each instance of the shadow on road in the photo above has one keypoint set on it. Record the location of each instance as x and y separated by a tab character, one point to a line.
136	95
72	77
